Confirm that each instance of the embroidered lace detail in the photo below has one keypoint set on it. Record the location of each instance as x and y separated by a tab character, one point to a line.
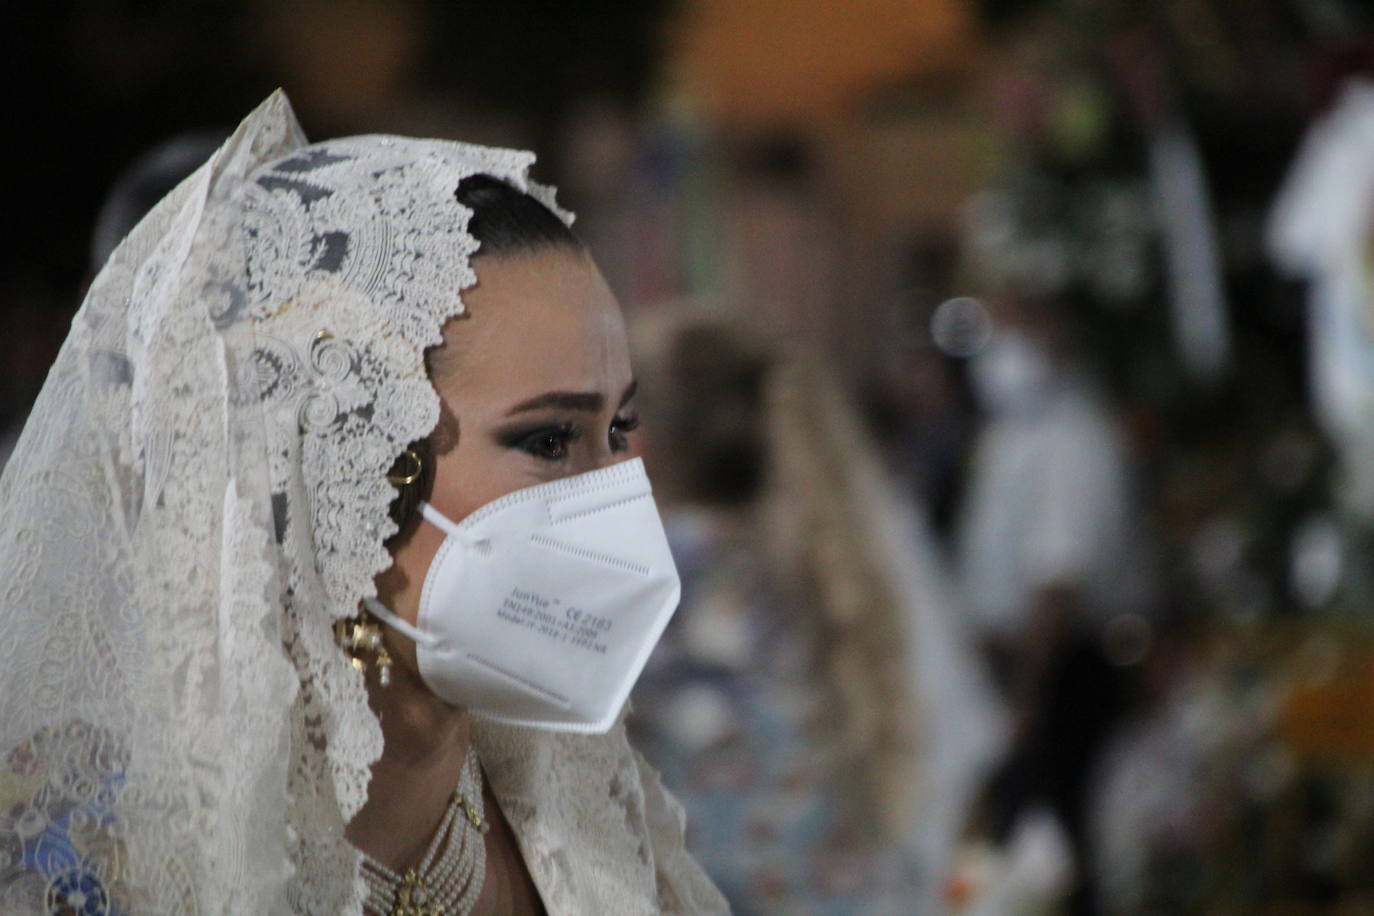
200	493
596	828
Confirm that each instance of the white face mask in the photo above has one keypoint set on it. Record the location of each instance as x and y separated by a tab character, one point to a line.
541	608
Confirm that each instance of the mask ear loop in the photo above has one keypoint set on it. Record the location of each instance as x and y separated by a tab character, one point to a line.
391	619
457	532
441	521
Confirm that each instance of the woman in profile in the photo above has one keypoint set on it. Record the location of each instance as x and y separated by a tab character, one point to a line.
323	585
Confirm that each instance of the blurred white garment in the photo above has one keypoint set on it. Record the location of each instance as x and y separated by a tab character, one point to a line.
1030	876
1320	230
1050	504
1192	255
963	728
1151	797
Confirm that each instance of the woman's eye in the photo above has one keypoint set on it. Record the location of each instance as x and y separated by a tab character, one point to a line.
549	444
621	427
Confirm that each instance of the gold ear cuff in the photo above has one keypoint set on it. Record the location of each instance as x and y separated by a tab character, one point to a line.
401	477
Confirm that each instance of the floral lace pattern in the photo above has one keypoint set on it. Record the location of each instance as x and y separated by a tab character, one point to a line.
199	494
596	827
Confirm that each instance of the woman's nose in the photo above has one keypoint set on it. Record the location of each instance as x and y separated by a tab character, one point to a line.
603	456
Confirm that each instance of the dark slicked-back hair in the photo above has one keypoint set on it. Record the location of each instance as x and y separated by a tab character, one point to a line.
507	221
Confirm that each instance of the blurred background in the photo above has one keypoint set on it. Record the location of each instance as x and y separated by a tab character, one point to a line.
1008	376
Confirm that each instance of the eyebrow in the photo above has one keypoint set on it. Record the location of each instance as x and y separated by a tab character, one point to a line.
589	401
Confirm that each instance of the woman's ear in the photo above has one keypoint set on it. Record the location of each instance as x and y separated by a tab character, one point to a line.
412	474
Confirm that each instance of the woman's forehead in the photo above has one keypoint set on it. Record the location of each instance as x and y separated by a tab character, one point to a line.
538	322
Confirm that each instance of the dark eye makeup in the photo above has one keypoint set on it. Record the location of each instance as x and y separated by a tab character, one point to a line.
549	442
552	441
621	427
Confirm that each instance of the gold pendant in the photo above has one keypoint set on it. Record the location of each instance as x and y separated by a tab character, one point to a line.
473	812
413	898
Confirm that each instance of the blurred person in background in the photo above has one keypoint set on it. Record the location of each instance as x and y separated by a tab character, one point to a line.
918	399
1162	789
741	706
1055	577
814	703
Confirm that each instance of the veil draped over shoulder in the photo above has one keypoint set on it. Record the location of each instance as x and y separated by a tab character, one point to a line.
199	493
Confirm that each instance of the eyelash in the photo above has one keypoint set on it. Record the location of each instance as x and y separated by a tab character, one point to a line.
622	426
552	443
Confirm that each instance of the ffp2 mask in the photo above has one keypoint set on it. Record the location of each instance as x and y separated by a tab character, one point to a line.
541	608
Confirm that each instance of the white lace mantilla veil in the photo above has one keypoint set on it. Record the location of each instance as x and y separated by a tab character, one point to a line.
199	493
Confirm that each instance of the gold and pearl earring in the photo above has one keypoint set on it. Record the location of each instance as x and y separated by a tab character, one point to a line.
360	637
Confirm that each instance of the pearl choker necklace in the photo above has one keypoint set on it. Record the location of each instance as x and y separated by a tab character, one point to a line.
449	877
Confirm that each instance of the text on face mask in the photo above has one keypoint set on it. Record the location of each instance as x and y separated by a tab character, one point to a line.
548	617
